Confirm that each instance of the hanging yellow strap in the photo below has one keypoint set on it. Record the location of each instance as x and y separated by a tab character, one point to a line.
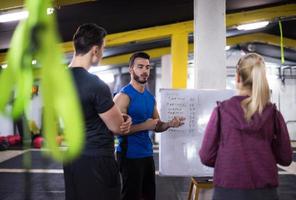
282	43
37	38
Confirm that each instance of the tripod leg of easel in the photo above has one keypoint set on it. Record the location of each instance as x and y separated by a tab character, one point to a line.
198	187
190	191
196	193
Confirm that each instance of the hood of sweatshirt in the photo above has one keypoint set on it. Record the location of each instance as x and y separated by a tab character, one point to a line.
232	108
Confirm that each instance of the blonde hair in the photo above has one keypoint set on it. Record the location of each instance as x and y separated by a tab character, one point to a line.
251	69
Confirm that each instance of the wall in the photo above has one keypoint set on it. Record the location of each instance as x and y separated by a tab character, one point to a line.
6	126
34	113
283	94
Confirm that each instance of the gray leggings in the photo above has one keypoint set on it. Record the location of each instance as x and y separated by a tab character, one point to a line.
245	194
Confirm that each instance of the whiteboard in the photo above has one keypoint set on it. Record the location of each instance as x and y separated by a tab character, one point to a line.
179	147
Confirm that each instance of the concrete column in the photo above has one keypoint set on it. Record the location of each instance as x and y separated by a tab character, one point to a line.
209	45
166	71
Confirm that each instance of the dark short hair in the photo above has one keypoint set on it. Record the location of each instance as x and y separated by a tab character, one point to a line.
138	55
86	36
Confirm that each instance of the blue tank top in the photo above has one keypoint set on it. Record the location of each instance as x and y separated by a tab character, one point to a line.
141	107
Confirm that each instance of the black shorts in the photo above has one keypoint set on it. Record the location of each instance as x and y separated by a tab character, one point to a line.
138	178
92	178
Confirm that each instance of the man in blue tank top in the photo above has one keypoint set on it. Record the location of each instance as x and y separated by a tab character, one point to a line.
135	151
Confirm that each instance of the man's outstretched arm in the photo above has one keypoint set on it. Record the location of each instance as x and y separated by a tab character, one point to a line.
163	126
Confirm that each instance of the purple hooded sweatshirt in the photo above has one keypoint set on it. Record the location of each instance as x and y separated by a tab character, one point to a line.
244	154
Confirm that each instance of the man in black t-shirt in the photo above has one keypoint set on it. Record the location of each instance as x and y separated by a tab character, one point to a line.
94	175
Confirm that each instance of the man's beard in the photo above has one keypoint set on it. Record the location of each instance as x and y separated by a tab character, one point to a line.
137	78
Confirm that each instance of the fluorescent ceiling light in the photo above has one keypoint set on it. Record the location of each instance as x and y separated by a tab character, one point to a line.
4	66
15	16
252	26
50	11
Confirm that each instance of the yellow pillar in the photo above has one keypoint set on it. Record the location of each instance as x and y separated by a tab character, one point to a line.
179	51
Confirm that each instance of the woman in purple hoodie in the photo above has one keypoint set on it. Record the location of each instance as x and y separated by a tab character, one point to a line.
246	137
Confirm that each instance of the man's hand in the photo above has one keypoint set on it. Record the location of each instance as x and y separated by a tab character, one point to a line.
176	122
126	124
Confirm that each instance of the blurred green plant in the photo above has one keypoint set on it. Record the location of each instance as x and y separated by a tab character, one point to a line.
37	38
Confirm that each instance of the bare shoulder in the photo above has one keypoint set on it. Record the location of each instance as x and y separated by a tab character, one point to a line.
122	100
121	97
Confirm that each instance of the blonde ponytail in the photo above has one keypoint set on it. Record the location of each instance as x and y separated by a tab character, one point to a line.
251	69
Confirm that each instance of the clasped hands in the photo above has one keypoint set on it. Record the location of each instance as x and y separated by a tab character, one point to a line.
126	124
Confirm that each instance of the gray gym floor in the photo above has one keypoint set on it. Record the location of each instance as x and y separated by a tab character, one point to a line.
45	179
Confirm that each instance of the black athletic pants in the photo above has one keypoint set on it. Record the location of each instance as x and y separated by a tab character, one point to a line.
138	178
92	178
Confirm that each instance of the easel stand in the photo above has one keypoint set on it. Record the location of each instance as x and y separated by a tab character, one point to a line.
198	183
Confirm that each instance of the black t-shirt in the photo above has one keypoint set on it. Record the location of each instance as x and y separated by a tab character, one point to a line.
95	98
